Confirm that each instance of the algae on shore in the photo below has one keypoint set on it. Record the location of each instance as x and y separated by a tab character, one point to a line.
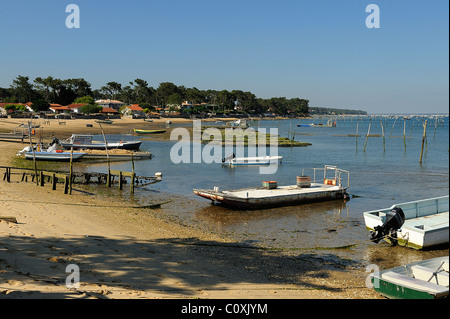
245	138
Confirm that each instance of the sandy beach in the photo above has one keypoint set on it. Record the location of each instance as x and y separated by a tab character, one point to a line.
132	253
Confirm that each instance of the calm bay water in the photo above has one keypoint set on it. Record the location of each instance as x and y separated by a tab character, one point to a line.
379	177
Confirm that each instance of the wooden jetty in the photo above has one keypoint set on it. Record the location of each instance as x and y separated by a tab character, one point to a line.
69	178
13	136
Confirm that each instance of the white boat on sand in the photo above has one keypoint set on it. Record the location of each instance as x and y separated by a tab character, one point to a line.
51	154
271	195
426	279
425	223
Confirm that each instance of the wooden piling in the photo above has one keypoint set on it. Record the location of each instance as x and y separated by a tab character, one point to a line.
120	180
435	125
393	126
367	136
53	181
404	133
423	139
108	180
32	150
71	171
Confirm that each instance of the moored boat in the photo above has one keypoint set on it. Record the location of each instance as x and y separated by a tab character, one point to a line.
80	141
104	121
427	279
271	195
425	223
257	160
139	131
54	156
50	154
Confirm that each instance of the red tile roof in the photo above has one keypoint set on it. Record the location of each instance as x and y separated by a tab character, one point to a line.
109	110
76	105
59	108
135	107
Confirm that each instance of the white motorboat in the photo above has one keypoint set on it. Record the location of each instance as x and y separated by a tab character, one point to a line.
257	160
422	224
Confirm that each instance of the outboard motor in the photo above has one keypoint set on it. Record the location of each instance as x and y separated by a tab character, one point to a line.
55	141
228	158
394	221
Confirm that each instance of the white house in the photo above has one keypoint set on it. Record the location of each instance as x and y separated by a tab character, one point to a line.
110	103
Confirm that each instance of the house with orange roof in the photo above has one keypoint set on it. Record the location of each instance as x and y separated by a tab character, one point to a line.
109	111
57	108
76	107
133	110
4	111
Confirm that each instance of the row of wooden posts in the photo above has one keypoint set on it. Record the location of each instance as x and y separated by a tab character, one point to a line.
424	137
40	176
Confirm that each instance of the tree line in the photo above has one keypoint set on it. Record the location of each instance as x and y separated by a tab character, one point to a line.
49	90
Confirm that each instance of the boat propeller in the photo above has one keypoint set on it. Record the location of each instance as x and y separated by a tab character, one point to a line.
394	221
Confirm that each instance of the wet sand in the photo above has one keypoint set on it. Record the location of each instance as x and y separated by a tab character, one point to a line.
131	253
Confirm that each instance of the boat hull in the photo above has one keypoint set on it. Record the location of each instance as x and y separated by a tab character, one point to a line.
406	282
279	197
61	157
125	145
149	131
396	291
249	161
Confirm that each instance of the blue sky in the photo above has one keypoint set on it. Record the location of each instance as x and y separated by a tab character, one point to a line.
319	50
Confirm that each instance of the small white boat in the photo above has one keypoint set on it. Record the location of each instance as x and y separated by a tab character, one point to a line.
51	154
427	279
257	160
425	223
271	195
56	156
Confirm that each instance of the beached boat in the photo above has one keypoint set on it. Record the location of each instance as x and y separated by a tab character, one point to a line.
51	154
139	131
271	195
79	141
239	123
258	160
104	121
54	156
424	223
427	279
